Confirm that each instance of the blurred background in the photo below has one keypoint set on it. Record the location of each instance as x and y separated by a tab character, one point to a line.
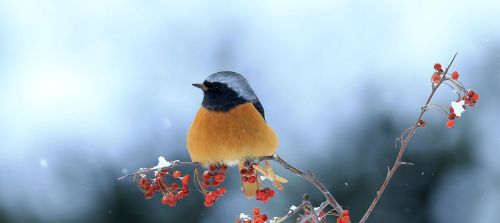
91	90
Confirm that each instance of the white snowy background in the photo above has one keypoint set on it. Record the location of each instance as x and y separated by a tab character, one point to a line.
93	89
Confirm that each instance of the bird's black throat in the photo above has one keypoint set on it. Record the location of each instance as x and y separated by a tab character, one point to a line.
219	97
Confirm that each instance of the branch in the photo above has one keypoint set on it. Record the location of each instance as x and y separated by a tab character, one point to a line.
312	213
404	140
305	204
175	163
292	212
309	176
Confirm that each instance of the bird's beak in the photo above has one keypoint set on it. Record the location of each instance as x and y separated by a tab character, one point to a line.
201	86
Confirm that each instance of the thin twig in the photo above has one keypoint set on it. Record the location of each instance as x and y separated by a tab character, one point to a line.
312	214
291	213
172	164
308	176
403	143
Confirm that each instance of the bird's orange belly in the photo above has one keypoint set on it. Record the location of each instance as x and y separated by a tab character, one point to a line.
230	136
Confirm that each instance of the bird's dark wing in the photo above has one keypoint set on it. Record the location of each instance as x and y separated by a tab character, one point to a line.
258	106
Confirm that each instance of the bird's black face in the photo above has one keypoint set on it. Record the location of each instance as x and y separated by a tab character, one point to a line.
219	97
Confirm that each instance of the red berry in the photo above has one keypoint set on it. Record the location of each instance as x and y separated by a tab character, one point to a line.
258	220
454	75
149	194
206	175
221	191
172	203
263	195
436	78
205	183
219	177
223	167
215	183
143	181
437	66
264	217
185	179
271	193
256	211
252	179
452	116
470	93
176	174
174	186
450	124
208	203
475	97
185	189
345	212
165	200
211	196
212	167
251	171
243	171
345	219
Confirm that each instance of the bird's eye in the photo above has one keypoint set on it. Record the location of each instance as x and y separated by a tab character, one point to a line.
215	85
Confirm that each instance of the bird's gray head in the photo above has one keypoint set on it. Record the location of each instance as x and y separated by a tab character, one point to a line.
225	90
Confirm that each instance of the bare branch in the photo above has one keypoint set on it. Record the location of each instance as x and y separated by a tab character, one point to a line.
402	148
148	170
309	176
291	212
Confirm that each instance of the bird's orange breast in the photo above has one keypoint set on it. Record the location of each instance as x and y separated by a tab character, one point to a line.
228	136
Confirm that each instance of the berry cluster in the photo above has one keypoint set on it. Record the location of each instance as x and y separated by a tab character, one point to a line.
263	195
213	196
344	218
213	178
258	217
436	77
171	192
248	173
464	97
471	98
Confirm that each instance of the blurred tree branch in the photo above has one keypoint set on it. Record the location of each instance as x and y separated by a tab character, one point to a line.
403	140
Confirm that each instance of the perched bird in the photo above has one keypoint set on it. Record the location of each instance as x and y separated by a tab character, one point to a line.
230	126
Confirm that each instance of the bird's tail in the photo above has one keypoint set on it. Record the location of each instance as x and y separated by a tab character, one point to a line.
251	184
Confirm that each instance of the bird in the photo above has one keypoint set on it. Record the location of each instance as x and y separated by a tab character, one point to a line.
230	126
